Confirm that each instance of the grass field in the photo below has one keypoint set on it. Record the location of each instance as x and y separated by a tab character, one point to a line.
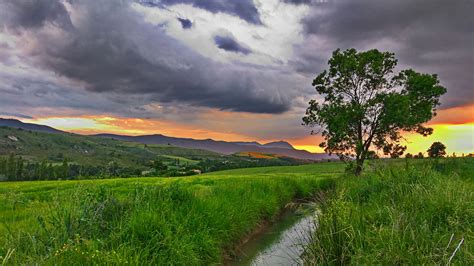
181	160
397	212
190	220
411	212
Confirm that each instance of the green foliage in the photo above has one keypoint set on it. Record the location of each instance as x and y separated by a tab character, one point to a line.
436	150
15	168
412	215
156	221
366	104
51	156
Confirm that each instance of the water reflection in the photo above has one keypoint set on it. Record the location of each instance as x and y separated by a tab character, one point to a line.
283	242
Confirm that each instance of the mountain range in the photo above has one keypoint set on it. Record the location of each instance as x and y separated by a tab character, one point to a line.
281	148
27	126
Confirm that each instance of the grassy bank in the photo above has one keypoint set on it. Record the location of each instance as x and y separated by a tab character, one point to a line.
189	221
413	212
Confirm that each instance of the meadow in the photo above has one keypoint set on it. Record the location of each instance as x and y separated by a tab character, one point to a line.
405	212
184	221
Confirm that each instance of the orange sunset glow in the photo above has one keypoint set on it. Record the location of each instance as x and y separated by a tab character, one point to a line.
454	127
90	125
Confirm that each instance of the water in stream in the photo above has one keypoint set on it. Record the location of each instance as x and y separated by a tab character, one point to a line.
282	242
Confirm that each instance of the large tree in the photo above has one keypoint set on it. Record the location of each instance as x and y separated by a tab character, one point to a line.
365	105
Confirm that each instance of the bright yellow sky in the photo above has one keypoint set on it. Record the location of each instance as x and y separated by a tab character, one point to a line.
454	127
457	138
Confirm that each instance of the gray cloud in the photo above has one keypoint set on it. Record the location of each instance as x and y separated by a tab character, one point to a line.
117	63
230	44
15	115
245	9
433	36
111	50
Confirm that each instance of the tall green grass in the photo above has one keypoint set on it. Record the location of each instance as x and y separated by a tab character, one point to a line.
157	221
405	213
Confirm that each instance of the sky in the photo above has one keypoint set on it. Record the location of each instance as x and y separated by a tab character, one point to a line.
227	70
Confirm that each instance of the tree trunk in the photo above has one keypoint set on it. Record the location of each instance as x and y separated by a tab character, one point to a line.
358	167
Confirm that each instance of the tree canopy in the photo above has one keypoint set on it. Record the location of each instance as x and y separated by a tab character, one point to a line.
436	150
365	105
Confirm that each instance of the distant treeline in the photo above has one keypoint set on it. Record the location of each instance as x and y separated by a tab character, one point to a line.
16	168
212	165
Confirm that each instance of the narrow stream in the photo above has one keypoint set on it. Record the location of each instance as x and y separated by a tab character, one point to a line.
282	242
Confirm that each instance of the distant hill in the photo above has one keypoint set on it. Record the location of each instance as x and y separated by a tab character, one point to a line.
279	148
278	144
27	126
87	150
99	151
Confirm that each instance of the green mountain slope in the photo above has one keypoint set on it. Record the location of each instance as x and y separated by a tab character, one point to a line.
93	151
37	146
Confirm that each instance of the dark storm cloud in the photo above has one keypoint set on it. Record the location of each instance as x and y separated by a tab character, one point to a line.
111	50
245	9
434	36
185	23
229	44
33	14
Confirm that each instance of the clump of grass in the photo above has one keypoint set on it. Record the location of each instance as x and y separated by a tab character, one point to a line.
66	229
418	213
